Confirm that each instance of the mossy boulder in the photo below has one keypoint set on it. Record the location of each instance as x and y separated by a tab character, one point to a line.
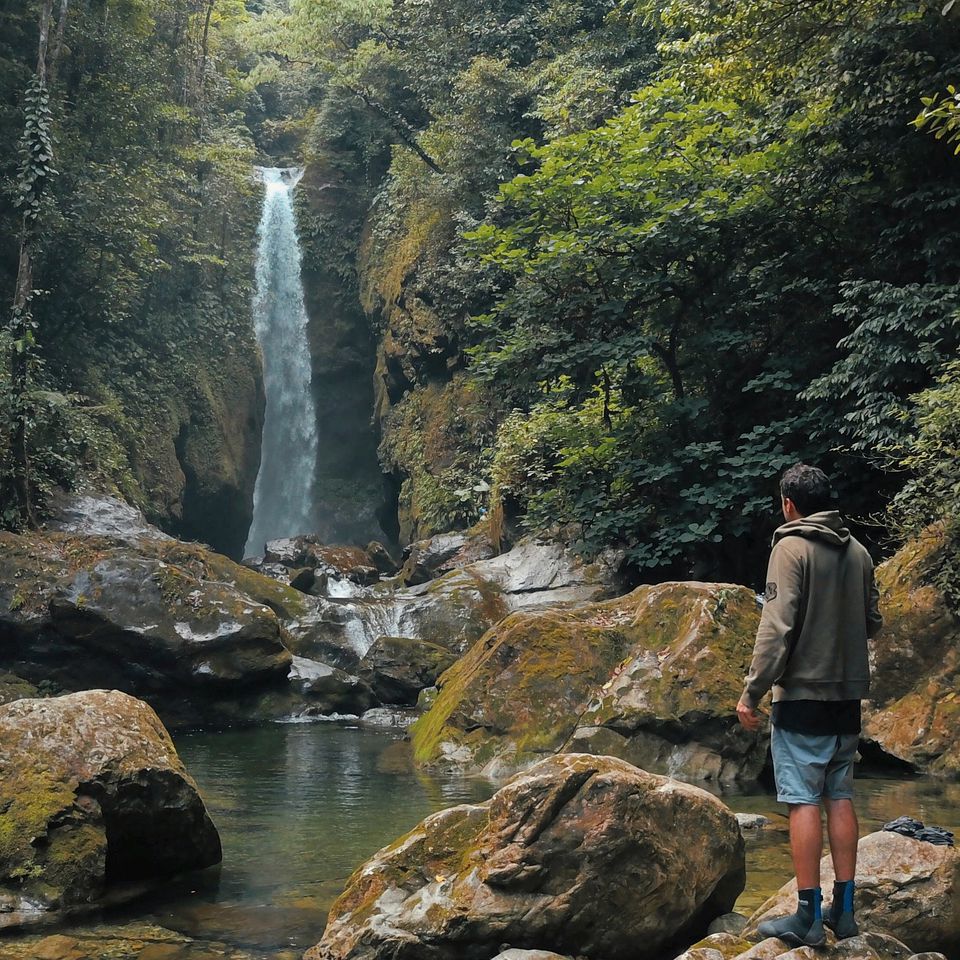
92	794
652	677
913	715
581	854
161	620
906	888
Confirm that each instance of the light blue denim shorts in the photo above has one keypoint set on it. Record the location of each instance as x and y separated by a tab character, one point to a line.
809	768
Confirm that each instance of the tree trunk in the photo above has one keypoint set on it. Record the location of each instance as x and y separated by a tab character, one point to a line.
20	326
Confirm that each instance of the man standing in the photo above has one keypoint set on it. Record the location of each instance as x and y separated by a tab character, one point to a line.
811	648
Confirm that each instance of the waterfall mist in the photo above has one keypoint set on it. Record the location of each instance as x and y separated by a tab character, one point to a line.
283	500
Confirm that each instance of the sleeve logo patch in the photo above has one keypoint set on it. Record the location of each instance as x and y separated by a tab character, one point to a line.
771	593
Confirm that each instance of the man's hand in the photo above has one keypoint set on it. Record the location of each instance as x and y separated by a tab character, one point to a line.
749	718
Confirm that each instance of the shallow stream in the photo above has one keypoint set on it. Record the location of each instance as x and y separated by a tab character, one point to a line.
299	806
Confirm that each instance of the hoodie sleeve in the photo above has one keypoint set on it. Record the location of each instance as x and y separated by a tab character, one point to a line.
778	622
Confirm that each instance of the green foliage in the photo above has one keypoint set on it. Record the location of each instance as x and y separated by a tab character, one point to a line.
931	455
899	336
36	152
941	116
143	241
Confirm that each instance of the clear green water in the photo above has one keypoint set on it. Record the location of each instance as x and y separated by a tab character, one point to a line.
299	806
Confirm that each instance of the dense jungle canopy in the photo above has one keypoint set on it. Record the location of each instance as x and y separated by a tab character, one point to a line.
620	261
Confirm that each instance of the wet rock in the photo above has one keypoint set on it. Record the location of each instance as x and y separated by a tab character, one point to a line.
649	677
381	558
752	821
906	889
13	688
326	689
391	718
156	618
93	794
348	563
914	712
529	955
398	668
585	855
868	946
435	556
537	572
101	515
732	923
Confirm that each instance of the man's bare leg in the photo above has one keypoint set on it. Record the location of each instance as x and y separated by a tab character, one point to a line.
843	830
806	844
804	927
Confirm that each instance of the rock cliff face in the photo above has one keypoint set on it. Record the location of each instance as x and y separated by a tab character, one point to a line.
587	855
914	712
93	794
350	484
194	452
651	677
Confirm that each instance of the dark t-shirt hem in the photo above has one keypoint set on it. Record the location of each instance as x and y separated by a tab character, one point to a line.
818	717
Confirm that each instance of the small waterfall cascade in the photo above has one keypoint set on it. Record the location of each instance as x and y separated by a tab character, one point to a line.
283	499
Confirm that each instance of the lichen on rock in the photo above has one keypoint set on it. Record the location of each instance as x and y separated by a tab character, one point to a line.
92	793
581	855
651	677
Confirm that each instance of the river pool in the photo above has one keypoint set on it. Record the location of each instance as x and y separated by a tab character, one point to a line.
299	806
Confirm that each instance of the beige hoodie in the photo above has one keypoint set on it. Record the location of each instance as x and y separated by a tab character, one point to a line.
821	606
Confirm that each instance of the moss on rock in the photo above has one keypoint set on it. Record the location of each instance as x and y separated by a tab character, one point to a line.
664	664
914	714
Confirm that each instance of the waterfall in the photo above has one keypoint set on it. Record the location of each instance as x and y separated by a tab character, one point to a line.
283	499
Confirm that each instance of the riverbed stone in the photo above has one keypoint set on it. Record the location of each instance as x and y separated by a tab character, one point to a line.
906	889
583	855
913	715
431	558
649	677
121	941
398	668
866	946
529	955
93	794
327	690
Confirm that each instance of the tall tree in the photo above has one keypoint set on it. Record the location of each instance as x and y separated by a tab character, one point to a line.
36	170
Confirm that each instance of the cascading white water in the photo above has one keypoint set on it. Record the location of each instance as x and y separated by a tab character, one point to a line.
284	493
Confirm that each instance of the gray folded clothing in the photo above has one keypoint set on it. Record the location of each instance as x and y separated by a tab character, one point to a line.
909	827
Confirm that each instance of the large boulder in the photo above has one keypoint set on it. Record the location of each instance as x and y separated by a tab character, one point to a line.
914	712
906	889
581	855
651	677
92	794
81	612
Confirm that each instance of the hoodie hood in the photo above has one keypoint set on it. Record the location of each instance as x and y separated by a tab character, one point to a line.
825	526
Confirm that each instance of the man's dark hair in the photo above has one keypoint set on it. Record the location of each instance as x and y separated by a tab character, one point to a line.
808	487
